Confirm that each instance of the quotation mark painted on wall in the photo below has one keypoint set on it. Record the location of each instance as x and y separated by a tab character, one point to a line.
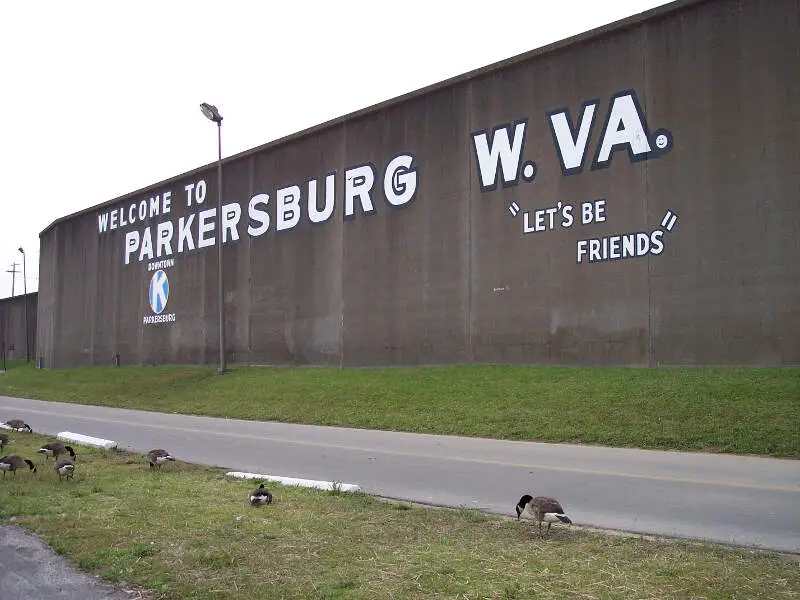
513	209
669	220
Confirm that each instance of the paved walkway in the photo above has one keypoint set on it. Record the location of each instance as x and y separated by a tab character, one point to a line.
32	571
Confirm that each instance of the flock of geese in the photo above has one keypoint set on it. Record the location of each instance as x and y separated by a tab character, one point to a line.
65	467
542	509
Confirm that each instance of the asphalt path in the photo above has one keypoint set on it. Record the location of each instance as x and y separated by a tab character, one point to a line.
746	501
32	571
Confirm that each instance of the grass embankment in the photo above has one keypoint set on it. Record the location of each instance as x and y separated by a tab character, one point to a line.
738	410
178	531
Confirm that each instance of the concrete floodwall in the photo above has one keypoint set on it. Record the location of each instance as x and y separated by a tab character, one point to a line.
630	196
13	322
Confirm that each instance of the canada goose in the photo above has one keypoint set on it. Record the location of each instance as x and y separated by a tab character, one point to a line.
542	509
12	462
261	496
19	425
55	448
64	467
3	440
158	457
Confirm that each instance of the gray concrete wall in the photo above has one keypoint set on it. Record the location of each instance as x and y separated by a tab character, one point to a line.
12	327
691	117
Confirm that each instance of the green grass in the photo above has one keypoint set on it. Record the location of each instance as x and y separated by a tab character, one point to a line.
177	531
736	410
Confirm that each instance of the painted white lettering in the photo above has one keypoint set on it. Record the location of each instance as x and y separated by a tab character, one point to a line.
132	214
185	233
507	154
594	250
200	192
566	214
600	211
189	189
613	250
593	211
320	216
625	127
146	249
358	182
231	213
287	201
204	227
581	250
131	244
571	148
628	245
642	244
142	210
539	215
166	200
155	202
619	247
113	219
261	217
122	221
526	225
102	222
586	213
164	239
658	245
400	180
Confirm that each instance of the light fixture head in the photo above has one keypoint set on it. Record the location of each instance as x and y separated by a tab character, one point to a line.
21	250
211	112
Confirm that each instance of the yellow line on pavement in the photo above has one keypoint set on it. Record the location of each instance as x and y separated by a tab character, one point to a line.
732	484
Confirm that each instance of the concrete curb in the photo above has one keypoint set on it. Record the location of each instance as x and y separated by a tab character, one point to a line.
78	438
312	483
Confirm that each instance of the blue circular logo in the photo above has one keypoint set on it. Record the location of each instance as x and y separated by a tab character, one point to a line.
159	291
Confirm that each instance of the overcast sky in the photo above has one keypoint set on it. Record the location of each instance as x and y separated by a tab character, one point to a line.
99	99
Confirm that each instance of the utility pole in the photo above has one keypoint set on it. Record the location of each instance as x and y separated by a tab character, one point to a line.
13	271
25	291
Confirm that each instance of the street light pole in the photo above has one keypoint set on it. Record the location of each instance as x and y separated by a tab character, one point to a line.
211	112
25	292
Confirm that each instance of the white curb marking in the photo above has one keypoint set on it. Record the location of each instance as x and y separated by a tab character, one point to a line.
312	483
78	438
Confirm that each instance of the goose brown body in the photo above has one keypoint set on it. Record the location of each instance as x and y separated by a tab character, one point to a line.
54	449
260	496
158	457
543	509
12	462
19	425
64	468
